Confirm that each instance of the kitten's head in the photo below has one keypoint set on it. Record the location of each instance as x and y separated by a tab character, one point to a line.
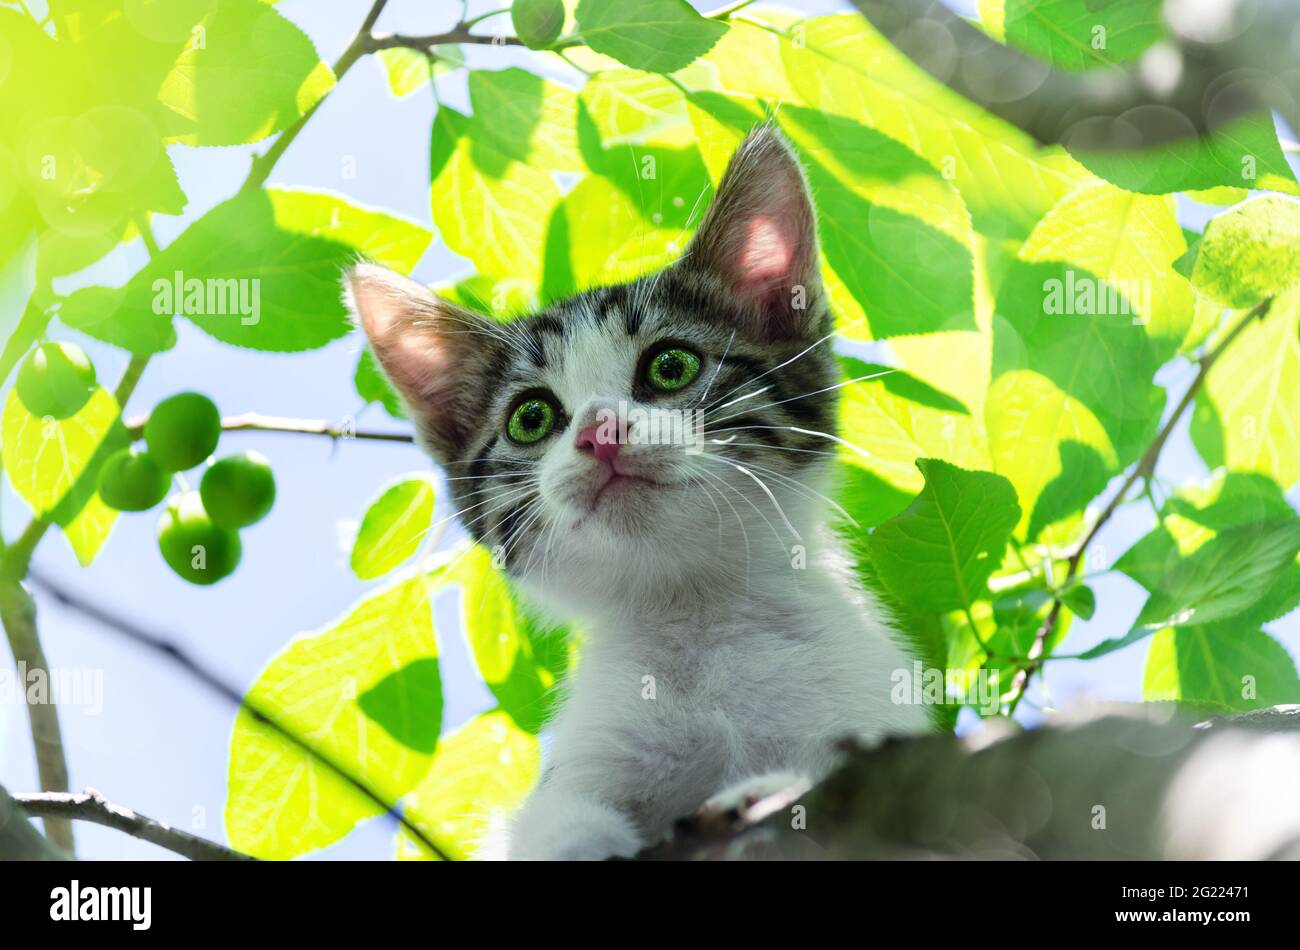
642	439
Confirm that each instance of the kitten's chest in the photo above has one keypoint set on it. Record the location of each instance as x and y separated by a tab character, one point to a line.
739	685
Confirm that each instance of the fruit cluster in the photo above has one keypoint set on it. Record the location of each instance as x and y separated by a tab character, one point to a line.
198	533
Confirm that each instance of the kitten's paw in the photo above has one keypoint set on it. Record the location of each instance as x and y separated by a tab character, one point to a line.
572	829
742	796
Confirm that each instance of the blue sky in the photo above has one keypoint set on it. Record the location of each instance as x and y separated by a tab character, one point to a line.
160	743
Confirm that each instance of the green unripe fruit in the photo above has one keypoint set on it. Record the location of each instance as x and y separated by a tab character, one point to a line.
56	380
537	23
194	547
132	481
182	431
238	490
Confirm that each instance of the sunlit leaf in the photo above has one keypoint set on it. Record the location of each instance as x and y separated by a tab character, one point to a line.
519	660
480	773
247	74
1247	415
393	527
44	457
892	420
1131	242
260	270
365	693
521	117
844	67
1222	665
494	216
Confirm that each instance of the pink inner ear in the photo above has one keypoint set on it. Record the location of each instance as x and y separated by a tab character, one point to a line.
418	361
767	256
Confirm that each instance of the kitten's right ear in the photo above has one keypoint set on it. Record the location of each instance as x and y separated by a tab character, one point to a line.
433	352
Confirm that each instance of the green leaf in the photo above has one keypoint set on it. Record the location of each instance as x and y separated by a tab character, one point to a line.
520	117
1221	579
1081	601
939	554
1250	253
888	223
1081	476
52	465
89	529
845	67
894	419
260	270
248	74
1065	374
1221	665
408	69
17	279
101	312
1225	576
45	457
496	216
1131	242
1247	414
1243	154
617	241
480	772
373	386
393	527
363	692
1194	515
630	106
747	60
537	23
1009	625
668	185
81	150
519	661
659	36
1083	34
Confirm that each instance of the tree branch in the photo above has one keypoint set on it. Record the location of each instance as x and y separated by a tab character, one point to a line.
179	657
1145	468
1122	783
1216	78
90	805
18	613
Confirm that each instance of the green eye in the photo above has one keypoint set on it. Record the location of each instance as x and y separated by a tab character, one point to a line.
532	420
672	369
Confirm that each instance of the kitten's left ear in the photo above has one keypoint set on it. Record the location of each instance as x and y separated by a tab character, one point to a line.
760	236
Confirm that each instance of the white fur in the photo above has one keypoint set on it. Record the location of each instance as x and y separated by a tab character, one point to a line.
711	655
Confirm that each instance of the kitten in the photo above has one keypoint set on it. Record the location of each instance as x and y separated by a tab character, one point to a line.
724	638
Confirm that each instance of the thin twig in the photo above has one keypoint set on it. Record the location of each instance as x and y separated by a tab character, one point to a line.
1145	468
90	805
257	422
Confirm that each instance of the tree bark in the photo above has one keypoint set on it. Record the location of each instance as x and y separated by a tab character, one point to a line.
1135	785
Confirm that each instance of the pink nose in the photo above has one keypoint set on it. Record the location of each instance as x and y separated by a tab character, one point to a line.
599	442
